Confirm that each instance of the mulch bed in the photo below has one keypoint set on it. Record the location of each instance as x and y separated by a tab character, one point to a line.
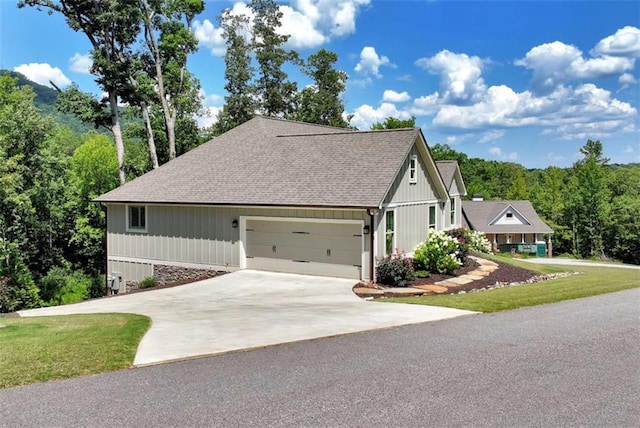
505	274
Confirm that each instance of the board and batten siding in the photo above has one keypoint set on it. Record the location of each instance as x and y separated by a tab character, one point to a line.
410	202
193	236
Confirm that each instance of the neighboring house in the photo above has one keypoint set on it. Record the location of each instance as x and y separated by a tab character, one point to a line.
508	224
450	173
284	196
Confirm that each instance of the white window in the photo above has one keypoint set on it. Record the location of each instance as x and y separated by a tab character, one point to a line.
453	211
390	228
413	164
136	218
432	217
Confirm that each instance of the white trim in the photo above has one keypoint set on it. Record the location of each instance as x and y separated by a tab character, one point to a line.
243	235
491	223
393	205
154	262
429	215
413	169
127	215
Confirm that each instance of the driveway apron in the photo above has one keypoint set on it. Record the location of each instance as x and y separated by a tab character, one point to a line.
249	309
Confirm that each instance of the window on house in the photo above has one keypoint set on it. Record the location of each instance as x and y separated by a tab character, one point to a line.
432	217
413	163
137	218
390	227
509	215
453	211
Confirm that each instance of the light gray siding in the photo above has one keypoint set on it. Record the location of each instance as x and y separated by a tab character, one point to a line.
410	202
193	235
402	190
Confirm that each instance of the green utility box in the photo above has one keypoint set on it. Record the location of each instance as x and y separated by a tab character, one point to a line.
542	249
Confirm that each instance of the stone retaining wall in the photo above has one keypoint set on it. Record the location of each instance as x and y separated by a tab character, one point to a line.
165	274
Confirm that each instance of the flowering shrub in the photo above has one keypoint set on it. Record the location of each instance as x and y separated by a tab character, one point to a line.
463	236
479	243
395	270
439	253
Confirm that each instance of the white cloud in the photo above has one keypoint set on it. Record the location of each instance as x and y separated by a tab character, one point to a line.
210	99
365	115
426	105
309	23
79	63
625	42
209	118
556	63
460	75
210	36
395	97
627	79
628	149
497	152
300	28
491	135
370	62
42	73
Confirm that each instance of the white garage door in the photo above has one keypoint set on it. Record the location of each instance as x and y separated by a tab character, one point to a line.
313	248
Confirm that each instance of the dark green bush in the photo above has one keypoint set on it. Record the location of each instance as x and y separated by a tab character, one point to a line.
395	271
147	283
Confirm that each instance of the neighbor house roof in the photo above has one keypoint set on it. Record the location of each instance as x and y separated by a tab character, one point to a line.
479	215
274	162
449	171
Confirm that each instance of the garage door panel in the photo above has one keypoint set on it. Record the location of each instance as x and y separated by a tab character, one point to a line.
325	269
304	240
315	248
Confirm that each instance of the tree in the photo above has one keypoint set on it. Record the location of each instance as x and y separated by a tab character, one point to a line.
441	152
24	179
320	103
240	105
393	123
167	58
275	92
111	27
93	171
589	206
623	229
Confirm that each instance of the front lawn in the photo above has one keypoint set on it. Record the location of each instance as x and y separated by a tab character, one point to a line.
590	282
44	348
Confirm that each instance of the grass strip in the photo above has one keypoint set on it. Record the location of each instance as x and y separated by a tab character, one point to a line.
590	281
39	349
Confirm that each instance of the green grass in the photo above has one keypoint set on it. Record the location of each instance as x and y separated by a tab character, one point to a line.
590	282
45	348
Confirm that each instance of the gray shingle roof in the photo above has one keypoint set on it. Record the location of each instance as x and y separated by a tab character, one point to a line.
269	161
447	171
478	215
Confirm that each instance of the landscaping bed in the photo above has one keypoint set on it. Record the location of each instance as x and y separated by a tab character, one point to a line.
505	274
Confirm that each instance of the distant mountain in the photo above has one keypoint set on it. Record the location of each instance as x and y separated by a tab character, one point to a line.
45	101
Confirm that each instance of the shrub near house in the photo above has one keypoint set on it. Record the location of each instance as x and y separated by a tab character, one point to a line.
443	252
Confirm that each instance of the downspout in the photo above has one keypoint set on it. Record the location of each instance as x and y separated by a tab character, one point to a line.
106	254
371	243
373	212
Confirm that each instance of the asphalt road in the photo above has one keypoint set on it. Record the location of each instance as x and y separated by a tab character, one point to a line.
576	363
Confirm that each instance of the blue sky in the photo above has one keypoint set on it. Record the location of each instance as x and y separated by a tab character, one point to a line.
527	82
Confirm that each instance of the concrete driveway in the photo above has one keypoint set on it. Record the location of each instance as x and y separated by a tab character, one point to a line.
249	309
